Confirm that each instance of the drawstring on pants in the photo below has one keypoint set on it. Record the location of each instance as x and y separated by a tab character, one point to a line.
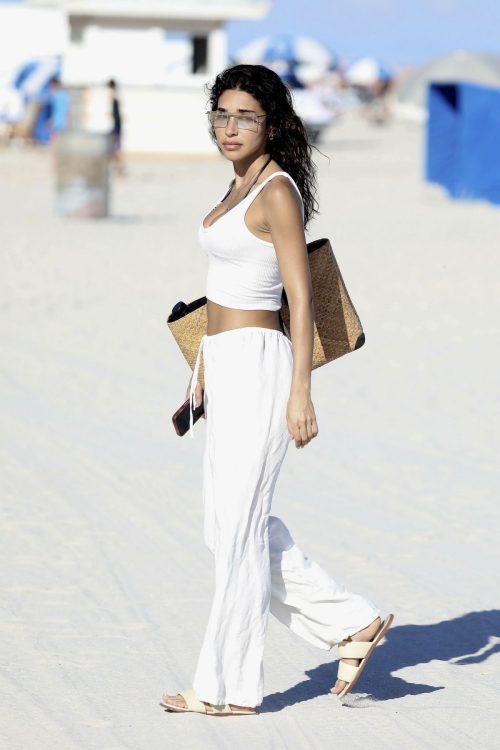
194	381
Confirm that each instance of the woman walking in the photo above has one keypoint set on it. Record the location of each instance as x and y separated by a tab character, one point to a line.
257	399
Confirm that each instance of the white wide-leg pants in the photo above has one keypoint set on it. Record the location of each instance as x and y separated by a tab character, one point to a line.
258	567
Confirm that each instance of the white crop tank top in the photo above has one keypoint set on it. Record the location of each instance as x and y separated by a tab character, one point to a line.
243	271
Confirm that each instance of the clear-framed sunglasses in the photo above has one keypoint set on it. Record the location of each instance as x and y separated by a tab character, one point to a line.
243	122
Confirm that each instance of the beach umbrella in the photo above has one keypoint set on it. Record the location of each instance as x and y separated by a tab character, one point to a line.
290	50
367	71
24	83
32	78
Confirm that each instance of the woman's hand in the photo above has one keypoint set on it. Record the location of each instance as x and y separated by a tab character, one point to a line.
301	418
197	395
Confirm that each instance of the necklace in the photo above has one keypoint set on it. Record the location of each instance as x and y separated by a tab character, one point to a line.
251	183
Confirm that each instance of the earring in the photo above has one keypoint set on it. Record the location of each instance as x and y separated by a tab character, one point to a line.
271	136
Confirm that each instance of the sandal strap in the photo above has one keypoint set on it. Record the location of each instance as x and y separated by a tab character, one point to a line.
194	704
354	649
192	701
347	672
221	709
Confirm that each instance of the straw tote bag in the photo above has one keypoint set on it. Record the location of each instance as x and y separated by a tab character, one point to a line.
337	327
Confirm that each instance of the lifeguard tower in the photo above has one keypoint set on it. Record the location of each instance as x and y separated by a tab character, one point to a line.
161	53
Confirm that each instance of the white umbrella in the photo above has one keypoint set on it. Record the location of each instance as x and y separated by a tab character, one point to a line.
366	72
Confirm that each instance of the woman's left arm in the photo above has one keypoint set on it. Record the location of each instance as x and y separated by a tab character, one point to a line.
283	218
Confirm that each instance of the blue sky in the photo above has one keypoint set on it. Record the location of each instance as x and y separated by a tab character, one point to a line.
398	31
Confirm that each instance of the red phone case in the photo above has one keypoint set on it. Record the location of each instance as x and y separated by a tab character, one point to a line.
181	417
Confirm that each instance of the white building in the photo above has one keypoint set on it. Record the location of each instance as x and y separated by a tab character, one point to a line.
161	53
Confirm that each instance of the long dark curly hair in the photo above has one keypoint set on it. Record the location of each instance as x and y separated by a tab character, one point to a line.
290	146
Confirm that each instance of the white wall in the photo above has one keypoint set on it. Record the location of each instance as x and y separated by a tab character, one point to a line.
155	120
26	33
133	56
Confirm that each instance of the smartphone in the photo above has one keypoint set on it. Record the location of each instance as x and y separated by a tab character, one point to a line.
181	416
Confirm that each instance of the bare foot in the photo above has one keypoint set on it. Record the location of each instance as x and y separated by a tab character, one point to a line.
362	635
178	700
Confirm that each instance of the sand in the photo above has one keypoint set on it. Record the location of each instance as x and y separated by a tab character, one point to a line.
106	582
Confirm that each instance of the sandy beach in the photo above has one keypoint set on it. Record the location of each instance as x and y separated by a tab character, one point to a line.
106	584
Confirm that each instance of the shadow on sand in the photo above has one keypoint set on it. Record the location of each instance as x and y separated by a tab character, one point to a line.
462	641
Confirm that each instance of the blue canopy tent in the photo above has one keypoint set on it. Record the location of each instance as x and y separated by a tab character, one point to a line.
463	147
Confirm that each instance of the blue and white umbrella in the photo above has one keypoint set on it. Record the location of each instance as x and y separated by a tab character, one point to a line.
367	71
289	54
32	78
27	82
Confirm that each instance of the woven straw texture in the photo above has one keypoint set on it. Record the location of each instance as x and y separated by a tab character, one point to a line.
337	328
188	331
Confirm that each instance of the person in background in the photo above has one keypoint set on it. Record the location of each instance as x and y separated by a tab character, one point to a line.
116	131
59	118
382	113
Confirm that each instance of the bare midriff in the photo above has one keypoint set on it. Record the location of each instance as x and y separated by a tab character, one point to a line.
226	318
